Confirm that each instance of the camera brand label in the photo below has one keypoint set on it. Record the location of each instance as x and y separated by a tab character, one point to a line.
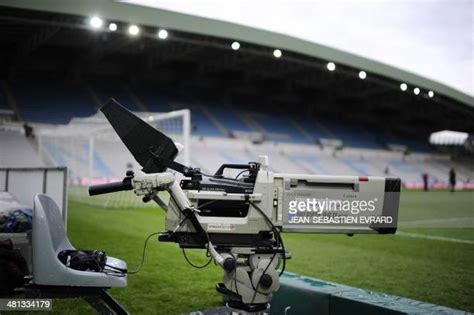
220	227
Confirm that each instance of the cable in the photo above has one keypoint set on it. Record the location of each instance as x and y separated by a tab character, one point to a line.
235	275
207	175
191	263
143	254
260	279
280	242
275	231
117	270
206	235
240	173
206	203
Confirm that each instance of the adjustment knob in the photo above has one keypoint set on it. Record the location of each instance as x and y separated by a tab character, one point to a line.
266	281
229	264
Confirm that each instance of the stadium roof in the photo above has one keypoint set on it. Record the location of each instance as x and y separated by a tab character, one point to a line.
110	9
52	40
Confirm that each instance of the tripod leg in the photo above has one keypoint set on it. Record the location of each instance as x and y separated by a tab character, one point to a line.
105	304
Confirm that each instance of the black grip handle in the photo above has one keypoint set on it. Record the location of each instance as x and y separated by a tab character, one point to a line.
126	184
220	171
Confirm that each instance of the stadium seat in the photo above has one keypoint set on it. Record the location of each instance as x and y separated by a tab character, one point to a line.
105	91
17	151
352	136
49	239
312	128
202	126
229	119
51	101
279	128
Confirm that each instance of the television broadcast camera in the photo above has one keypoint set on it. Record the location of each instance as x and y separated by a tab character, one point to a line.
239	220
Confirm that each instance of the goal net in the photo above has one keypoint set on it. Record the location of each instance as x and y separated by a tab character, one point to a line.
94	154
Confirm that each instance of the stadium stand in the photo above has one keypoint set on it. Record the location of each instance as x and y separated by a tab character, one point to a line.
291	153
51	101
17	151
215	121
242	104
312	128
119	91
277	128
201	124
152	99
70	100
289	138
353	136
111	159
228	118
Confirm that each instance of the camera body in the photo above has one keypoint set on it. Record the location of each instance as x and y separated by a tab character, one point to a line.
293	202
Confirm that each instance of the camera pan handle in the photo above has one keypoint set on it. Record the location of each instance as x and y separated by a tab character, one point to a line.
220	171
126	184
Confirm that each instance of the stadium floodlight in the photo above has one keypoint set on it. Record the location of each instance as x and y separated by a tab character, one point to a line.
96	22
331	66
430	94
277	53
112	27
416	91
162	34
362	75
235	46
403	86
133	30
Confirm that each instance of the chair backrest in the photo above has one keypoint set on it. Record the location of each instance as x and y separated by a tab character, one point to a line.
48	226
49	238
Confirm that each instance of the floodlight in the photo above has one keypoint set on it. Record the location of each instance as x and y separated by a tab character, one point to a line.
416	91
331	66
112	27
403	86
133	30
362	75
430	94
277	53
162	34
96	22
236	46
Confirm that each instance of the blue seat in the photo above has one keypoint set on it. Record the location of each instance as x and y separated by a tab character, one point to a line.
229	119
51	101
274	125
110	90
352	136
202	126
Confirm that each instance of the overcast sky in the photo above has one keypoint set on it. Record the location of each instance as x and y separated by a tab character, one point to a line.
427	37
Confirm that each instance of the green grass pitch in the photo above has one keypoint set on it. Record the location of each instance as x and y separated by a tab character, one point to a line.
431	260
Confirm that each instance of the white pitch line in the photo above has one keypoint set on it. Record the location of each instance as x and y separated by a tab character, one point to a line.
435	238
467	222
